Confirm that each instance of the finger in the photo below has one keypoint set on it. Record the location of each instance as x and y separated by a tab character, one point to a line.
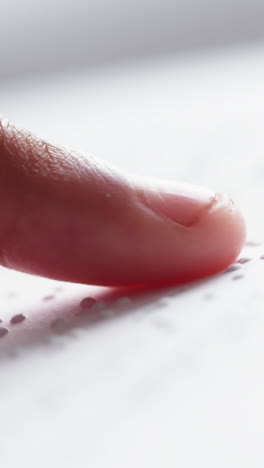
73	218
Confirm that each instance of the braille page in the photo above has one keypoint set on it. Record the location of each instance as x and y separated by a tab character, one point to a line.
168	378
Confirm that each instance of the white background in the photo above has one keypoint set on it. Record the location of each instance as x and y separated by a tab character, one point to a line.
40	35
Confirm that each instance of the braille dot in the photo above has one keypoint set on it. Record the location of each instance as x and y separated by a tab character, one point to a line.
261	257
87	303
253	243
208	296
123	301
232	268
108	313
17	319
238	277
161	303
12	295
99	306
48	298
59	325
243	260
3	332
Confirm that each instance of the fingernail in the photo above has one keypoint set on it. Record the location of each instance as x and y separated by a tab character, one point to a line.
182	203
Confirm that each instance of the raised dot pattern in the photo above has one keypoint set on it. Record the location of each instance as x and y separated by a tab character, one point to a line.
16	319
88	303
3	332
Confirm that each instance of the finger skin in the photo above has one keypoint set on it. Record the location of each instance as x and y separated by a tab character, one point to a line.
73	218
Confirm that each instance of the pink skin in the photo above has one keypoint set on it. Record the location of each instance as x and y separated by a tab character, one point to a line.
76	219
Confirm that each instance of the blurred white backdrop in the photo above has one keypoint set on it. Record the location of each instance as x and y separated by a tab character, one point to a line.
37	36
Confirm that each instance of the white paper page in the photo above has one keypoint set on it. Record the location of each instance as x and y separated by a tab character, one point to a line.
163	378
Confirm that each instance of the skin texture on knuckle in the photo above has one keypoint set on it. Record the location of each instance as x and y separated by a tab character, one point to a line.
32	156
45	188
54	166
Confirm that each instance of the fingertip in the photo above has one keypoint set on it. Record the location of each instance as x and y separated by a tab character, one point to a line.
174	253
224	230
189	234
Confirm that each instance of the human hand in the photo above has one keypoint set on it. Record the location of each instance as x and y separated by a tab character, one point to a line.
74	218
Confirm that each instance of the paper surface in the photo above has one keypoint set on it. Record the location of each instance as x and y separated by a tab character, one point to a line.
165	378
